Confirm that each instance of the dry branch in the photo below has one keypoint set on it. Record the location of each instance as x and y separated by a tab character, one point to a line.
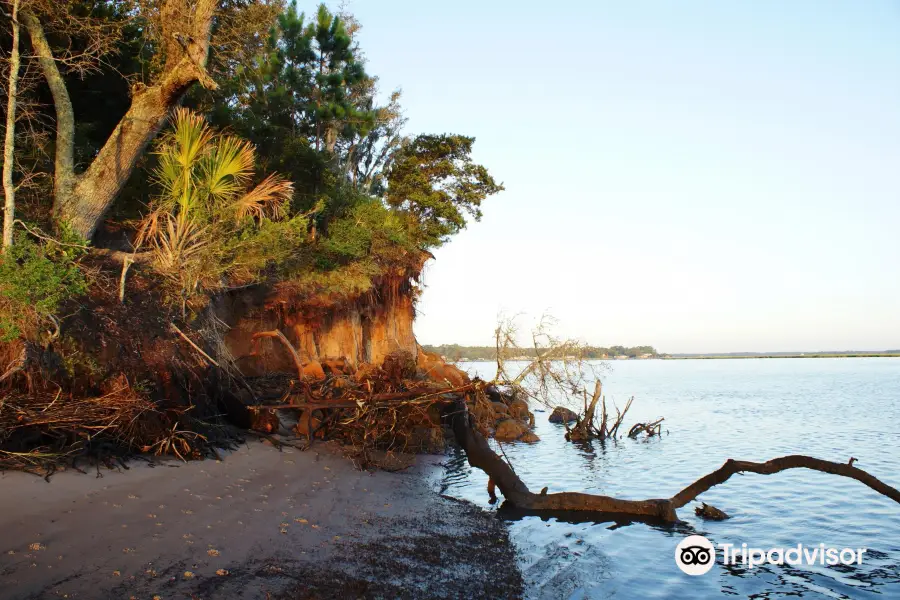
126	263
776	465
42	431
194	346
653	428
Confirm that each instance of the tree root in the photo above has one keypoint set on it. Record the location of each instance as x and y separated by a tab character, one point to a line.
481	456
290	348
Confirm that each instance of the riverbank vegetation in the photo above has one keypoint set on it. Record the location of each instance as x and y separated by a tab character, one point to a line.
160	156
179	175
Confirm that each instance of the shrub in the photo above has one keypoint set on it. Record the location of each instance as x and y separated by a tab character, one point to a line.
35	279
209	227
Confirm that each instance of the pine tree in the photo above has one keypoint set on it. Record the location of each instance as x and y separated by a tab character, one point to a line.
299	98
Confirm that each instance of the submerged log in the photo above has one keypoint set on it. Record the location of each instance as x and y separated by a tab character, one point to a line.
516	492
710	513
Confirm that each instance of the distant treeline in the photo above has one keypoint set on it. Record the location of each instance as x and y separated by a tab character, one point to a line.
827	354
457	352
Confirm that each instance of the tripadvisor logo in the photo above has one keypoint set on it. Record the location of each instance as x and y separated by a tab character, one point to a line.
696	555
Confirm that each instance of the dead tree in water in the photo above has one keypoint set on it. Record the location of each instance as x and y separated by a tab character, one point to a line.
586	427
560	371
516	492
559	367
371	416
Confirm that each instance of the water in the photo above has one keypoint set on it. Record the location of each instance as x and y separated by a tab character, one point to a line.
753	409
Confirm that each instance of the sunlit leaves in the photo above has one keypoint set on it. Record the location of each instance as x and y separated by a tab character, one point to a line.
208	221
268	199
434	179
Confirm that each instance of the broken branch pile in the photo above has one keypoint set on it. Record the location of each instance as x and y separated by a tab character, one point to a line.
397	406
41	432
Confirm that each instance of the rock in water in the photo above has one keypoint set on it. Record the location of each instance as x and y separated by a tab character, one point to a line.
509	430
710	513
561	414
518	409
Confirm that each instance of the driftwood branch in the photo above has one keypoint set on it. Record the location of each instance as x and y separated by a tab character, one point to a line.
652	428
776	465
481	456
586	428
194	346
277	334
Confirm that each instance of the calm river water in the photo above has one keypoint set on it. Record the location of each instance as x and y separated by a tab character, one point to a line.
752	409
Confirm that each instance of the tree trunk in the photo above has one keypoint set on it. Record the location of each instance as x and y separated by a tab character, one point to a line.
97	187
9	143
83	200
64	164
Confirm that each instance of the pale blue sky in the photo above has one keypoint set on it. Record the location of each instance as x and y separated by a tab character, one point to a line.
699	176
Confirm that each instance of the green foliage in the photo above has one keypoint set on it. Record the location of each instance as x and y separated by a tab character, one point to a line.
434	179
208	227
308	106
35	279
369	229
304	92
366	199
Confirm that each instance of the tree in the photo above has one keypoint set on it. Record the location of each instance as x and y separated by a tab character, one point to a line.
180	31
338	71
9	142
434	179
368	155
299	97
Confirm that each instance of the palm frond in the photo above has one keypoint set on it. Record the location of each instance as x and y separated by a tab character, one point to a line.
191	138
179	240
182	151
227	168
268	199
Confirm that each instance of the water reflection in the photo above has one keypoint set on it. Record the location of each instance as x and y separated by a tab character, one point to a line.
715	410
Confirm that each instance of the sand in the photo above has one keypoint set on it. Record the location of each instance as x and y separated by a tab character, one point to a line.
258	524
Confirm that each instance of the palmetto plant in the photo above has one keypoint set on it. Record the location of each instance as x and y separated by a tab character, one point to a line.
206	206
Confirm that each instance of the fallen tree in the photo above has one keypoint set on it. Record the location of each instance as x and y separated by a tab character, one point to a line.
481	456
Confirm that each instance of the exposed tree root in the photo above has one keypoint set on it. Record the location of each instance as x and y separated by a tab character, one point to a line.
294	354
481	456
586	428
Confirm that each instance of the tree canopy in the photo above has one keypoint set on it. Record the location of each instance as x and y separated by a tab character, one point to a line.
271	89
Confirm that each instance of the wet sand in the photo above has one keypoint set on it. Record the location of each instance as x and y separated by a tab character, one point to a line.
258	524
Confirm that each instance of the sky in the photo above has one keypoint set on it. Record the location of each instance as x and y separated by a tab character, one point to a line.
697	176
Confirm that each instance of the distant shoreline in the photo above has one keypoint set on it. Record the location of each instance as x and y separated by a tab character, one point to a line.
727	356
799	355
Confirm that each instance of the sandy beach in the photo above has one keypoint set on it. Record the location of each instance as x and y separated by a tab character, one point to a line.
261	523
